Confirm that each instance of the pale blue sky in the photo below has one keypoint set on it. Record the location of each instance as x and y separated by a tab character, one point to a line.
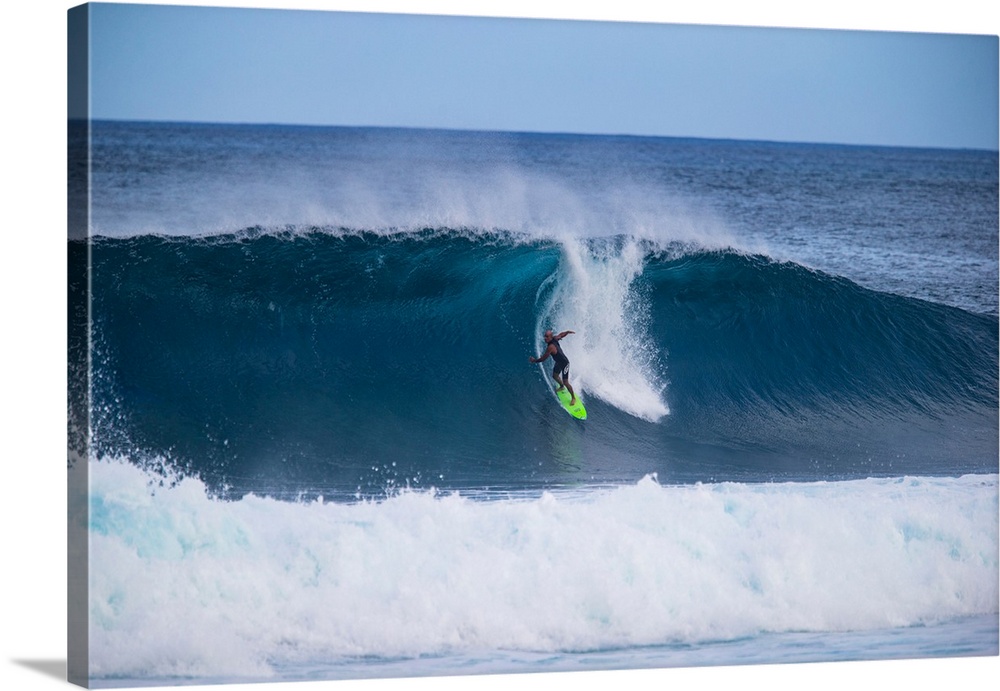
336	68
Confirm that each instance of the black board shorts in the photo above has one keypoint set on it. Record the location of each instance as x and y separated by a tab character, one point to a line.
561	371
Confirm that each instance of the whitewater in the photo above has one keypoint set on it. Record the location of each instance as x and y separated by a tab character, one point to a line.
265	586
301	403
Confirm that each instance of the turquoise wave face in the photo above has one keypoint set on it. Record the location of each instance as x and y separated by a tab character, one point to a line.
340	362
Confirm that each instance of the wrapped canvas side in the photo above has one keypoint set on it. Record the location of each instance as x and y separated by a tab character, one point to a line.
78	341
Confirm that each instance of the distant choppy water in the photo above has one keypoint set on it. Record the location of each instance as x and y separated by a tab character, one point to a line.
299	313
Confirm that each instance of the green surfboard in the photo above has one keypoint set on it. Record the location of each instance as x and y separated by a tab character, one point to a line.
577	410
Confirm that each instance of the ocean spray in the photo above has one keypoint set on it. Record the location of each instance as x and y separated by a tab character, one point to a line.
611	355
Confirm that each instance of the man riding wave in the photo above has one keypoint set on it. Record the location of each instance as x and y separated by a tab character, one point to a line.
560	372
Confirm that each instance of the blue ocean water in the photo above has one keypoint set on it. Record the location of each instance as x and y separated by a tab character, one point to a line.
317	437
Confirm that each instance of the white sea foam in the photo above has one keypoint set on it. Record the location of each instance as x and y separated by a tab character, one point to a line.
181	584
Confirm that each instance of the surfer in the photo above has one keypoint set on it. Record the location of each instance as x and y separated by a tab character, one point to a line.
561	370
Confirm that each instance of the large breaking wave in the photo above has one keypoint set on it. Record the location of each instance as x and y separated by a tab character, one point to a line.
336	360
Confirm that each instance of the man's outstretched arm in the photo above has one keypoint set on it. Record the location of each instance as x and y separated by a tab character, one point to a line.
544	357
